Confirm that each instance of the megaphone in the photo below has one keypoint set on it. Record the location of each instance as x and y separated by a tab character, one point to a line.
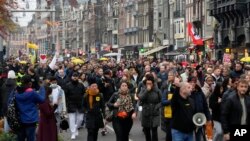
199	119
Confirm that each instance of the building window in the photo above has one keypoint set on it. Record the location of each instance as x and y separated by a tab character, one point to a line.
182	26
115	24
115	12
115	39
159	14
159	22
130	39
165	36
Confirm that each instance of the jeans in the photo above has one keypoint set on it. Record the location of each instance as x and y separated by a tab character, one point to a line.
122	128
218	133
151	137
168	124
6	125
180	136
28	132
200	134
92	134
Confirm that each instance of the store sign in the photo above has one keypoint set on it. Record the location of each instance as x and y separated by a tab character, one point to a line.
179	35
165	42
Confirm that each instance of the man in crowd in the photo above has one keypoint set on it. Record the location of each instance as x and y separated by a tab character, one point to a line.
235	109
74	93
8	86
182	114
62	78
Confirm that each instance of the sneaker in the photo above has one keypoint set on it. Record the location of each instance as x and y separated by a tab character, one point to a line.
76	133
73	137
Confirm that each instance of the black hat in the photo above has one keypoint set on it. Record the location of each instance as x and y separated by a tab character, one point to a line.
75	74
92	80
107	72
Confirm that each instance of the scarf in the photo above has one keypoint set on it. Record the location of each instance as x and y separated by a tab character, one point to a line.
126	102
91	93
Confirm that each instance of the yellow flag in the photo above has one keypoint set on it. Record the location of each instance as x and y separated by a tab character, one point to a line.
32	46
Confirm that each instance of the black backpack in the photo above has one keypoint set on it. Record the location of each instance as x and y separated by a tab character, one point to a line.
12	114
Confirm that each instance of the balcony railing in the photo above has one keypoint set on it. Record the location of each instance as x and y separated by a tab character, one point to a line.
179	14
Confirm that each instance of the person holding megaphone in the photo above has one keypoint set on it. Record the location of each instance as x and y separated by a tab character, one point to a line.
202	133
182	113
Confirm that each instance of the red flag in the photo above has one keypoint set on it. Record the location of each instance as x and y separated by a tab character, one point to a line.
197	40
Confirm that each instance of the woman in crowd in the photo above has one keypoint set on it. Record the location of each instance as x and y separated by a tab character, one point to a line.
208	87
83	80
47	130
150	98
194	73
123	107
94	107
215	104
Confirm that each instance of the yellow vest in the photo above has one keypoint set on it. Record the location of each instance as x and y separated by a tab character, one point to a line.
19	76
168	109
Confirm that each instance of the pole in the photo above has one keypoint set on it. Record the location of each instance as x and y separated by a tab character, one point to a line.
53	27
77	33
63	25
27	10
1	50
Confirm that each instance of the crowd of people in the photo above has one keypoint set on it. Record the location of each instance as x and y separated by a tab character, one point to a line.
159	93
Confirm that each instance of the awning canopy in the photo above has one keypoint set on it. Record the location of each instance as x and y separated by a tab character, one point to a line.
153	50
175	53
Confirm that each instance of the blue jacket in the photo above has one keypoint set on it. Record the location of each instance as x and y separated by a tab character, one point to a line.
27	105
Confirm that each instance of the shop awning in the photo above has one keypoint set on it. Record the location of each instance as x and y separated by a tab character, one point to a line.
175	53
153	50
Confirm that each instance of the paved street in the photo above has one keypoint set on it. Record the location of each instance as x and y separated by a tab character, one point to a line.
136	134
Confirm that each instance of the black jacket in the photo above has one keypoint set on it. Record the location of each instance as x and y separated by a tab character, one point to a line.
94	116
215	106
7	88
41	72
231	112
74	97
183	111
108	90
200	102
151	104
62	81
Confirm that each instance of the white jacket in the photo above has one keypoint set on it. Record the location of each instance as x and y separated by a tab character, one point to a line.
58	97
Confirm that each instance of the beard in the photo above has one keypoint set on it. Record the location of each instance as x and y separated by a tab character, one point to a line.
74	82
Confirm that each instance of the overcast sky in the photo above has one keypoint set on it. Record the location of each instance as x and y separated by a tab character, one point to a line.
23	20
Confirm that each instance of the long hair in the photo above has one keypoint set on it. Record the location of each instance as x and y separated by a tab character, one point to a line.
217	89
48	91
225	83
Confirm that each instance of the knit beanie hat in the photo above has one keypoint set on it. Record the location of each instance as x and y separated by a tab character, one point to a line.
11	74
